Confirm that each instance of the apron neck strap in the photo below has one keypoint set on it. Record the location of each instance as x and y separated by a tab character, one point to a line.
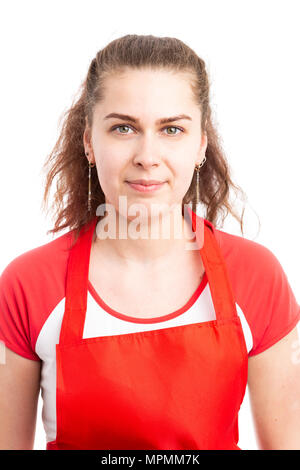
215	267
77	285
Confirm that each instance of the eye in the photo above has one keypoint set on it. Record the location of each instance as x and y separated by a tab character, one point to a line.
174	127
120	127
129	127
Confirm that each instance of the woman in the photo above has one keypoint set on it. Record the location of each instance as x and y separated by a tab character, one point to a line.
140	340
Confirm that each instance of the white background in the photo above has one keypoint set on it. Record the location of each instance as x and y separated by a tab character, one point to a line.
251	49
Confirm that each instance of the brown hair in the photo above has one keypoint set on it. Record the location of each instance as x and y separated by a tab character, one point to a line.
68	161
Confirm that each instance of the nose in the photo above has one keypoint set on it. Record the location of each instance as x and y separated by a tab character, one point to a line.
146	153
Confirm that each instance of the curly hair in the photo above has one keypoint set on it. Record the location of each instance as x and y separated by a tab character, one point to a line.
66	160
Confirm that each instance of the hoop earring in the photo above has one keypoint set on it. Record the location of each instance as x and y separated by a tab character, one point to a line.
91	165
197	168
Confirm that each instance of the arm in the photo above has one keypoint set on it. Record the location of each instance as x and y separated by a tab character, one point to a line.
274	392
19	392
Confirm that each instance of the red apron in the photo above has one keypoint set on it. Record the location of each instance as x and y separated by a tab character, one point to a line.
173	388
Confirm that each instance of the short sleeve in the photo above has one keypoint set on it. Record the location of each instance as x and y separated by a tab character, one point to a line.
14	316
273	306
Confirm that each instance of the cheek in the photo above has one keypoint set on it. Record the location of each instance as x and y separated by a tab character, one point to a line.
183	185
110	170
183	174
108	163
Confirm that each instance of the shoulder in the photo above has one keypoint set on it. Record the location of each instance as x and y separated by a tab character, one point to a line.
247	254
241	251
254	270
39	258
261	289
39	273
36	277
31	286
251	265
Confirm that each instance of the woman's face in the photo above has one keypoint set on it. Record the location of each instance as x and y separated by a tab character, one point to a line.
124	150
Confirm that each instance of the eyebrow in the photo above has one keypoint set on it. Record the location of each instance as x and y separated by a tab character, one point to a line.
125	117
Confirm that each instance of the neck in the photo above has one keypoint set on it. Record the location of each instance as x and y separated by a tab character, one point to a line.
143	241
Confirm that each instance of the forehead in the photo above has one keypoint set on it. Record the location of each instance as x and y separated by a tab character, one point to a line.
147	91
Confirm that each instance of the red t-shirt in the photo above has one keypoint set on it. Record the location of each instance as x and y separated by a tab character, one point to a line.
33	284
32	297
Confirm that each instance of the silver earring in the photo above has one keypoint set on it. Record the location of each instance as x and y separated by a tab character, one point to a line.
91	165
197	168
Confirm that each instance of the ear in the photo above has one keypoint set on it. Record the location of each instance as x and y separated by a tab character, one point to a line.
202	148
87	142
87	138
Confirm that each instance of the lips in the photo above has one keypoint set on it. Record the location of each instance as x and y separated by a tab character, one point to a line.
145	182
146	186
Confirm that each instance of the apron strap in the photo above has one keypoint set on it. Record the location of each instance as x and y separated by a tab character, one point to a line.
77	285
215	267
78	270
